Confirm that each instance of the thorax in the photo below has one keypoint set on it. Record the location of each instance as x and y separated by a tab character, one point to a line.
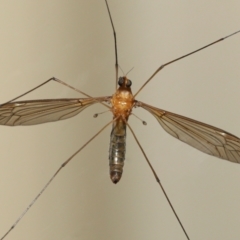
122	102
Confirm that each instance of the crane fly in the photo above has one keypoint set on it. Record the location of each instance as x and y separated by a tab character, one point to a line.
204	137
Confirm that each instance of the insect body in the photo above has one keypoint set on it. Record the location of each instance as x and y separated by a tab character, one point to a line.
122	103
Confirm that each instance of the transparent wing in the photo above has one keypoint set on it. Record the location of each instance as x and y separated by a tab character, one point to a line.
41	111
204	137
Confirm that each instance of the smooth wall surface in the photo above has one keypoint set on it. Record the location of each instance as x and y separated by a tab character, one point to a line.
72	40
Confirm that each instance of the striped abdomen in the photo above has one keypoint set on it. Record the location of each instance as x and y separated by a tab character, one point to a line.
117	150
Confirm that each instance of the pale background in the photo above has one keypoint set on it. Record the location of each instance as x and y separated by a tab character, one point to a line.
73	41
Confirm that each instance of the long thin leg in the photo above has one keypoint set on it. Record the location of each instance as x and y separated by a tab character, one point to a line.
58	81
40	85
179	58
51	179
31	90
115	43
77	90
158	181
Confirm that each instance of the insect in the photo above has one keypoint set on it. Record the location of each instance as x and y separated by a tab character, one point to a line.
129	134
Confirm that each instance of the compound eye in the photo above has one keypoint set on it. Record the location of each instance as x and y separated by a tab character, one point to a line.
129	83
120	81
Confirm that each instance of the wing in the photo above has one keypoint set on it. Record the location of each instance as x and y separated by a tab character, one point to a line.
204	137
41	111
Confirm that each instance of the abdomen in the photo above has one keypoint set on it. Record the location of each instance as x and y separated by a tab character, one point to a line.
117	150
